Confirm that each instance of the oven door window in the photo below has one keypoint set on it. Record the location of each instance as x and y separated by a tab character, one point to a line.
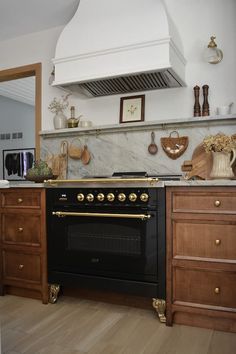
104	245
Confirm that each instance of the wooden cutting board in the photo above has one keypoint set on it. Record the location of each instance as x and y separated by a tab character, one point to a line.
201	164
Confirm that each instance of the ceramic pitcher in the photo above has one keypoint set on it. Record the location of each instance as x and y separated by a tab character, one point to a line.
222	164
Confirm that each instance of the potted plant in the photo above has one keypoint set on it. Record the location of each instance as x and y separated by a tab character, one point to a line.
223	149
39	172
58	106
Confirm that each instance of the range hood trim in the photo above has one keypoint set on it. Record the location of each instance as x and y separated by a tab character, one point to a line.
172	53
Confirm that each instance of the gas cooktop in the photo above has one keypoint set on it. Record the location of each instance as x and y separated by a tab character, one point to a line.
120	175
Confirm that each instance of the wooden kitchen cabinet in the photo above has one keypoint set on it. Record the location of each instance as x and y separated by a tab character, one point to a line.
201	256
23	242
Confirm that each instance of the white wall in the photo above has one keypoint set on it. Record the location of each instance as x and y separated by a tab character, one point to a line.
196	21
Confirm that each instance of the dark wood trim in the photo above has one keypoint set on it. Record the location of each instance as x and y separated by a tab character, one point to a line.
27	71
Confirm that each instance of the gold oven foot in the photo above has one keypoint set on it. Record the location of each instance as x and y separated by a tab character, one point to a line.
53	292
160	307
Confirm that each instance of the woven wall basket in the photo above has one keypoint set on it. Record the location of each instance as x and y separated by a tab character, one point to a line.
174	147
75	149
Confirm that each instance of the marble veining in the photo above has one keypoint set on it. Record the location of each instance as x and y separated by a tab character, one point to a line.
128	151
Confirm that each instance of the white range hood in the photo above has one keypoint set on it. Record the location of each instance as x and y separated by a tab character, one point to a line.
119	46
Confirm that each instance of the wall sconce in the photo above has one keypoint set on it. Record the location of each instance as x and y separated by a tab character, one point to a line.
212	54
51	77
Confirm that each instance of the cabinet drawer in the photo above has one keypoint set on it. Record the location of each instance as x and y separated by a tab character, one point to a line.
21	198
204	202
209	239
21	229
205	287
21	266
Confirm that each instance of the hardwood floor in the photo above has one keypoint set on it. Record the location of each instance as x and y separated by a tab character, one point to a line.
76	326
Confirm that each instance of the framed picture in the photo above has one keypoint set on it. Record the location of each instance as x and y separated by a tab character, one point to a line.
132	109
16	162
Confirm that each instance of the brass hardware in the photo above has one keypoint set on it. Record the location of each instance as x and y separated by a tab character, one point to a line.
19	200
100	197
21	266
151	180
80	197
90	197
217	242
144	197
217	290
133	197
53	292
103	215
121	197
20	229
59	214
217	203
160	307
110	197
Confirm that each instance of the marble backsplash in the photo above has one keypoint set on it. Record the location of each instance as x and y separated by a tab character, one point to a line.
128	151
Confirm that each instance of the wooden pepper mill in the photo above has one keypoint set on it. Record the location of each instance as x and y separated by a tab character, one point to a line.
197	107
205	105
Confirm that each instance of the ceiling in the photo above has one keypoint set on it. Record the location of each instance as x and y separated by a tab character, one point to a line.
22	90
21	17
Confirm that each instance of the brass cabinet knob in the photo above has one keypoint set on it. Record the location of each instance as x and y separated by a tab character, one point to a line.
21	266
100	197
90	197
110	197
217	290
133	197
217	242
19	200
217	203
80	197
144	197
121	197
20	229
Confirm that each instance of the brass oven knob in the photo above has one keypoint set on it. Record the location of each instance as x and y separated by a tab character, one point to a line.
217	242
121	197
110	197
144	197
21	266
20	229
217	203
90	197
80	197
100	197
19	200
133	197
217	290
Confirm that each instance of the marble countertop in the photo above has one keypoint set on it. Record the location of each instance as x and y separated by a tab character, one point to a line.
160	184
201	183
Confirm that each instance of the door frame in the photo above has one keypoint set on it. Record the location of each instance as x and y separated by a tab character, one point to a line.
20	73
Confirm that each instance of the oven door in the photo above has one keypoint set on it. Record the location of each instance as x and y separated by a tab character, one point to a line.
114	244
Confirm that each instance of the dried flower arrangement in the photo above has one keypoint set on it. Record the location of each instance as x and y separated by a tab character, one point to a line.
59	105
219	142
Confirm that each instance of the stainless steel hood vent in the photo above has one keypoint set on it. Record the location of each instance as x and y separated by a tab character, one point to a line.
105	51
125	84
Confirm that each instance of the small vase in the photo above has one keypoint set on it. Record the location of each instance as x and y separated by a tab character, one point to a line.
222	163
60	120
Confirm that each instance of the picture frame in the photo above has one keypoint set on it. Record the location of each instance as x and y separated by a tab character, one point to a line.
132	109
16	162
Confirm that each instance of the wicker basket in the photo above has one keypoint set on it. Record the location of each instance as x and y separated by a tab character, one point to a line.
75	149
174	147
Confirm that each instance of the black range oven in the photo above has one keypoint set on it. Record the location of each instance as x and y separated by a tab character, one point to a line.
107	236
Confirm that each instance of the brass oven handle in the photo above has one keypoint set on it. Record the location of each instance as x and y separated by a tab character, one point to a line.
103	215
